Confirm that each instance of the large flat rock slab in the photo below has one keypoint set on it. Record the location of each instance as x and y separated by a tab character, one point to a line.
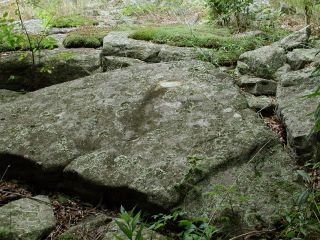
144	135
296	111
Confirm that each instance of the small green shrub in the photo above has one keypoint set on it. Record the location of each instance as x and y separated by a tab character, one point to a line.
85	37
229	11
130	225
8	38
74	20
37	42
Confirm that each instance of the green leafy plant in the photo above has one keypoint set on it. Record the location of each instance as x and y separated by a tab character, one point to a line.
194	231
229	11
8	38
198	229
162	220
303	221
130	225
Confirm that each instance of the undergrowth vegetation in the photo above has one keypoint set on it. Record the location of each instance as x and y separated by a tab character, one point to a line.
226	46
73	20
37	42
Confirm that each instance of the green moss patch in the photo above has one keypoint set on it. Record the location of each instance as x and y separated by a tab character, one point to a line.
37	42
226	47
74	20
89	37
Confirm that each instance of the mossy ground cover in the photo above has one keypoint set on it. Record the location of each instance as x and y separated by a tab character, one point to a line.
226	46
73	20
90	37
37	42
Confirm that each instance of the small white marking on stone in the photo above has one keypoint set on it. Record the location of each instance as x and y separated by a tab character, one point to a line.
227	110
237	115
170	84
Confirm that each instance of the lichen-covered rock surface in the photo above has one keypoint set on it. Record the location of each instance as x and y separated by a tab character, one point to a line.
262	62
296	109
26	219
148	135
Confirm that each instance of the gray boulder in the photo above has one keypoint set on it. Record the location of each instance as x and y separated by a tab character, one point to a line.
295	110
92	227
298	39
301	57
144	135
282	71
26	219
119	44
262	62
257	86
55	66
260	102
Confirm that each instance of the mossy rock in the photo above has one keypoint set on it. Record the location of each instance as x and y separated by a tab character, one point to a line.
85	37
74	20
227	47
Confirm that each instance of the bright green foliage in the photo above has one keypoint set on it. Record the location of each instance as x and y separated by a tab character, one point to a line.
194	231
74	20
163	220
37	42
227	11
189	229
8	38
86	37
130	225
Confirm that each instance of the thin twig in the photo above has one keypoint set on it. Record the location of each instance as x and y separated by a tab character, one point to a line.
5	172
25	31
